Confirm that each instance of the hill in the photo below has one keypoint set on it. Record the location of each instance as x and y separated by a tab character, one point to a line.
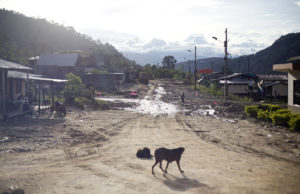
261	62
22	37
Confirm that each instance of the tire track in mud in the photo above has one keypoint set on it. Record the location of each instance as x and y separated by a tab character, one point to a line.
83	149
228	146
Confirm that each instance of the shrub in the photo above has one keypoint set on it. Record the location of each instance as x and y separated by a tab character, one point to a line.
74	86
98	72
81	101
251	110
263	115
268	107
283	111
273	107
281	117
294	122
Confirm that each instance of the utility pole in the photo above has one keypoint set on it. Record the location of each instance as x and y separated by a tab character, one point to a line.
225	66
195	72
239	65
248	64
189	67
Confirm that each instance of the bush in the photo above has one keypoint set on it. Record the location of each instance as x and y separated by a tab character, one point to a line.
263	115
268	107
294	122
251	110
281	117
74	86
212	90
283	111
81	101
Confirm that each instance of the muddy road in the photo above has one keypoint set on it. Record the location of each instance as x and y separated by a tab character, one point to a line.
93	151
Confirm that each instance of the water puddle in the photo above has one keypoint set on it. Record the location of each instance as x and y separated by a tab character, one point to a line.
146	106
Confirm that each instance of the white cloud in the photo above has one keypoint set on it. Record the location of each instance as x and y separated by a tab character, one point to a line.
297	3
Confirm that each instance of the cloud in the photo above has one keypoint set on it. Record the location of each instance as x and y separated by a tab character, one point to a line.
297	3
249	43
154	43
195	39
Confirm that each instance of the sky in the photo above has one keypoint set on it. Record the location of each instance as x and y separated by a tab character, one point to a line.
142	26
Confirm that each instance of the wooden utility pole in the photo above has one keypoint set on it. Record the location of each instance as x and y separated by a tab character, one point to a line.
4	73
248	64
225	66
195	72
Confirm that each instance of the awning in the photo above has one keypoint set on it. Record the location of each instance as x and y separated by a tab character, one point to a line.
22	75
8	65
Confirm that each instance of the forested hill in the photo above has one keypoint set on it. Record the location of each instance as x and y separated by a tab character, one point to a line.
22	37
261	62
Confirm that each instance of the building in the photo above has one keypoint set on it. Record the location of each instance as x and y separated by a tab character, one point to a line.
273	85
293	70
57	65
104	82
239	83
11	89
15	98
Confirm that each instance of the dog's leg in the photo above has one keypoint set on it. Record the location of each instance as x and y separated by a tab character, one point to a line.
161	167
166	167
154	166
178	164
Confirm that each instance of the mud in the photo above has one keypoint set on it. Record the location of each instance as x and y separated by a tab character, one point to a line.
94	150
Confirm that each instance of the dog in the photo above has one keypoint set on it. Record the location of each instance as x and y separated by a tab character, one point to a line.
169	155
144	153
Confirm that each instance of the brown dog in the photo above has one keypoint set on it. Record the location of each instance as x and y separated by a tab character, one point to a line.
169	155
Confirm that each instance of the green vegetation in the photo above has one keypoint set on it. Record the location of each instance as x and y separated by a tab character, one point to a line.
162	72
74	87
98	72
240	99
251	110
294	122
213	90
263	115
169	62
274	114
280	117
22	37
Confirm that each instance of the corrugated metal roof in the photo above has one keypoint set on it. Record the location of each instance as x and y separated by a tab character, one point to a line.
21	75
238	82
8	65
63	60
270	77
248	75
275	83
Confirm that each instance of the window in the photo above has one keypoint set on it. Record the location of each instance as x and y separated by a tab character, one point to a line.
297	92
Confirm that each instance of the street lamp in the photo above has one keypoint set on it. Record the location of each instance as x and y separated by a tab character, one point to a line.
195	71
225	65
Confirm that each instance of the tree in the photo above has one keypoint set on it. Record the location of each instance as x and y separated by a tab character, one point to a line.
74	87
169	62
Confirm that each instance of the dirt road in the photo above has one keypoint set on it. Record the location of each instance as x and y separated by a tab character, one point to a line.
94	152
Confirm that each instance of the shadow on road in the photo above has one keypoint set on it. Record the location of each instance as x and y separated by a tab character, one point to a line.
180	183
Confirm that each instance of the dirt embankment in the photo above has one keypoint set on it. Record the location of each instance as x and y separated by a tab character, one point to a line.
93	151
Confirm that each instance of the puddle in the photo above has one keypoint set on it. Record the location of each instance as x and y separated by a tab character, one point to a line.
146	106
4	139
